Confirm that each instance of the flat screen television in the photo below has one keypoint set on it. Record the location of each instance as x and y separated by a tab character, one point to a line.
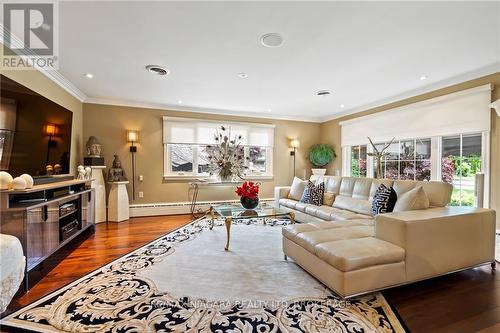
35	133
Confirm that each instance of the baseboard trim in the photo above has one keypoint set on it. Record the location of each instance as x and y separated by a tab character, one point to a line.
176	208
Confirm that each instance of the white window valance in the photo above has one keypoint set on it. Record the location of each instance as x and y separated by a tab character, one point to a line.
200	131
466	111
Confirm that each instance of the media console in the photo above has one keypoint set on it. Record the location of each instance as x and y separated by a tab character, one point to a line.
46	218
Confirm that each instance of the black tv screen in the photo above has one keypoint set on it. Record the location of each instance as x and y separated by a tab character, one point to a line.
35	133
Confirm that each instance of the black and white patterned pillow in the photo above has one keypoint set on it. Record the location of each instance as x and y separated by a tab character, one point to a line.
313	194
384	200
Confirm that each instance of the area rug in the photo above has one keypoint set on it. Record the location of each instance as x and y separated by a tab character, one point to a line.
186	282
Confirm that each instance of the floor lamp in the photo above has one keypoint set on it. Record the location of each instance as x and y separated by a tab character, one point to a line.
294	143
133	137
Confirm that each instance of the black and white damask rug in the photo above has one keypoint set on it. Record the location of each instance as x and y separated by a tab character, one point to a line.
186	282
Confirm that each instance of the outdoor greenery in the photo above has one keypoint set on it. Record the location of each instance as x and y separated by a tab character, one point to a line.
467	166
321	154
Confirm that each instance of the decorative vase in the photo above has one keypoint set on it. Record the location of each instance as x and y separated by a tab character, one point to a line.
318	172
249	203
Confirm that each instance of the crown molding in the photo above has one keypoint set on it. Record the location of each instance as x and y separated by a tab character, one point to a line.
50	72
195	109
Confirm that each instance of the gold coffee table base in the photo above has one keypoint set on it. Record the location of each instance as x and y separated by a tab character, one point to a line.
229	220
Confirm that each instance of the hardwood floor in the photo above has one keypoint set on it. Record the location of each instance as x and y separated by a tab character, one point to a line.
467	301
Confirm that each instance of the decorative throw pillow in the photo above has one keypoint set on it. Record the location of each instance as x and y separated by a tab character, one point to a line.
412	200
384	200
297	189
313	194
328	198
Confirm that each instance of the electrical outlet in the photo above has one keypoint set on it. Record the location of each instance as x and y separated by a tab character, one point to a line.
141	178
141	194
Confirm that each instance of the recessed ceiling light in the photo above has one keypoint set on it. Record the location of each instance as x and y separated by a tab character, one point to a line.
423	77
88	75
269	110
158	70
271	40
342	105
179	101
242	75
323	92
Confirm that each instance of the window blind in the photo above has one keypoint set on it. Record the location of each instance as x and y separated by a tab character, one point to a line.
201	132
466	111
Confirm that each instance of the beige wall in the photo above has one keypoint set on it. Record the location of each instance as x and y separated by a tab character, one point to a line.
39	83
109	125
330	131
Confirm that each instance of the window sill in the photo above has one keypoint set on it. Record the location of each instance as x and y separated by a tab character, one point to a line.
193	178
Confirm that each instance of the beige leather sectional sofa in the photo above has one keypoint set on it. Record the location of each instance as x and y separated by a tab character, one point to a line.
353	253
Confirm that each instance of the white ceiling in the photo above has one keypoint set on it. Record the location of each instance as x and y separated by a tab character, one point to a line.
367	53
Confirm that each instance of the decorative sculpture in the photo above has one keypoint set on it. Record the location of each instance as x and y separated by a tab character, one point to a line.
88	173
379	155
94	147
81	173
116	173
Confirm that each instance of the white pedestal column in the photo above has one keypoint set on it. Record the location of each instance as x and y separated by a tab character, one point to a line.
118	205
100	193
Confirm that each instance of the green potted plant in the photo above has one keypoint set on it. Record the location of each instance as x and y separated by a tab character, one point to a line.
319	156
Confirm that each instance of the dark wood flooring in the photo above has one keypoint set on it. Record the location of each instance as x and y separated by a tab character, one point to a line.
467	301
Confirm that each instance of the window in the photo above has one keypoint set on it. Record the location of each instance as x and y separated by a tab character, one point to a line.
186	148
406	159
358	161
460	160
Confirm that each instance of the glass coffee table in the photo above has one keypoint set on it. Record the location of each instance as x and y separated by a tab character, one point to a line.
233	212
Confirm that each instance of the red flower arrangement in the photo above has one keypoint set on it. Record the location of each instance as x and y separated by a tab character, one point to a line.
248	189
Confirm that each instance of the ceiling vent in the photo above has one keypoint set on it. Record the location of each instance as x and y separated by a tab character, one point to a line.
323	92
158	70
271	40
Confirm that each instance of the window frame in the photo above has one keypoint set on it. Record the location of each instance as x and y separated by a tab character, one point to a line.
435	159
169	174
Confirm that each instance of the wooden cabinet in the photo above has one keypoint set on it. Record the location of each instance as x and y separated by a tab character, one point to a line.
45	219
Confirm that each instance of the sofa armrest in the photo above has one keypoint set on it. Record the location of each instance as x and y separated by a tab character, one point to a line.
279	193
440	240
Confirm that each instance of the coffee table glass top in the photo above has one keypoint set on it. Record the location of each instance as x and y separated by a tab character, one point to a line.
236	211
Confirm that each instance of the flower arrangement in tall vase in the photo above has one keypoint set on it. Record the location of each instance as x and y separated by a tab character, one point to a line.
226	157
321	155
378	156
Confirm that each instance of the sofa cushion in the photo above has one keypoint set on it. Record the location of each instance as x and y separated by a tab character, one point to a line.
352	204
352	254
362	188
301	207
412	200
439	193
343	214
290	203
309	239
328	198
313	194
384	200
322	212
376	184
297	189
292	230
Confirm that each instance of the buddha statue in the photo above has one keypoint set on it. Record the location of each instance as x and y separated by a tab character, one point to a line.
94	147
116	173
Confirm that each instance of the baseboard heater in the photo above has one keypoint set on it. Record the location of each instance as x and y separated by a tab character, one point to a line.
176	208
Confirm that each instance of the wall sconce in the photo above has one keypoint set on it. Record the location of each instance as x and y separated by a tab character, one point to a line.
50	130
294	143
133	137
